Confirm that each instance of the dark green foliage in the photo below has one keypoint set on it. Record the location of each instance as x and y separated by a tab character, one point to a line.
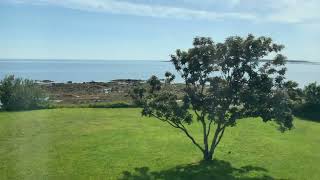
295	93
115	104
310	107
20	94
312	94
224	82
308	111
155	84
169	77
111	105
137	95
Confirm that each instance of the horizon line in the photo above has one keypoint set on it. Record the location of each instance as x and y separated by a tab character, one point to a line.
84	59
79	59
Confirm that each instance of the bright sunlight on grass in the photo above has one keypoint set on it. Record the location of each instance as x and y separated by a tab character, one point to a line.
113	144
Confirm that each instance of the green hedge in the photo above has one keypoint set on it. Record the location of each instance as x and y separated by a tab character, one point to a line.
95	105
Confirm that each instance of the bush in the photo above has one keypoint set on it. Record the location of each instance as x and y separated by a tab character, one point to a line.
111	105
310	107
308	111
117	104
20	94
312	94
137	95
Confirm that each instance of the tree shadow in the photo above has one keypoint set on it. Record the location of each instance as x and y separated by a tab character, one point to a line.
217	169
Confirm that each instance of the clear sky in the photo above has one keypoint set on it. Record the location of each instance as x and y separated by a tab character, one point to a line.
150	29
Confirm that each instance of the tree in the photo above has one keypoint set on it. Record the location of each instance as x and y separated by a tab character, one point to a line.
223	82
137	95
154	83
20	94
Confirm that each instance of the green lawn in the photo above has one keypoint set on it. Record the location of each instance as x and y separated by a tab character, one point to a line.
119	143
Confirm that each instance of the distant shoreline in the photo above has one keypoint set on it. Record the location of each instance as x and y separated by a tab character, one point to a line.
27	59
119	81
294	61
289	61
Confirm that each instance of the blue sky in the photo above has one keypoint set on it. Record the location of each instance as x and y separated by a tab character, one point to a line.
150	29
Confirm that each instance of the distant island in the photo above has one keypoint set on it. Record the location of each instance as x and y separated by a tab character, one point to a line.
289	61
294	61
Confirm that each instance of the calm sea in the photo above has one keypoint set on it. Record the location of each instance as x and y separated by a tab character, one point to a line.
96	70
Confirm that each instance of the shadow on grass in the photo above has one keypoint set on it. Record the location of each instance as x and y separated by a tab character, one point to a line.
217	169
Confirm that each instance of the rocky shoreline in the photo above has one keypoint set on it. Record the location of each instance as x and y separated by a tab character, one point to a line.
75	93
89	92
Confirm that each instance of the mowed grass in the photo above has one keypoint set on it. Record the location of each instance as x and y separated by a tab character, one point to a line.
119	143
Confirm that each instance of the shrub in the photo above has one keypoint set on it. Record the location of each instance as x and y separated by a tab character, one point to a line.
309	107
137	95
117	104
111	105
20	94
308	111
312	94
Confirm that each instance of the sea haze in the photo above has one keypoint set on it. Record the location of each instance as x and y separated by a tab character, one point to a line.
107	70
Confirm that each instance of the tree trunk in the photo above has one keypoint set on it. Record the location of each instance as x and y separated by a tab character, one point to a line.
207	156
208	153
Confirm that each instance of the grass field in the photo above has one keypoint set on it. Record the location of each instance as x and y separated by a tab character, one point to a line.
119	143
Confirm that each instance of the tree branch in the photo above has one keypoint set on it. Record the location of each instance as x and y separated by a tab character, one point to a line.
165	120
209	128
190	137
205	137
196	112
220	136
215	138
181	127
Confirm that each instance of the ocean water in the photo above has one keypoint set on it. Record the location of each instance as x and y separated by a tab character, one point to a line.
98	70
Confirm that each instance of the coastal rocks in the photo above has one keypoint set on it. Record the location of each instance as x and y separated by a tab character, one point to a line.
90	92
